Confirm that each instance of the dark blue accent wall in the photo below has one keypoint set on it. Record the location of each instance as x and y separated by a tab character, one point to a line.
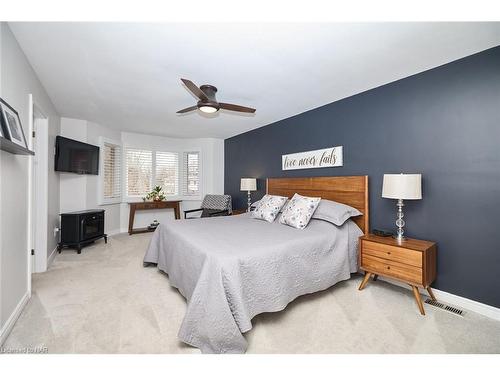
443	123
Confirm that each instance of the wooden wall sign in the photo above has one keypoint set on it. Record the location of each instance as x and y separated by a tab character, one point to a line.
326	157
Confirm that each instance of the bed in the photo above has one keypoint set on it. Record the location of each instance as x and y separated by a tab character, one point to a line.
232	268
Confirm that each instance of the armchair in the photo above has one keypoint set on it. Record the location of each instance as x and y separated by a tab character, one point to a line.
212	205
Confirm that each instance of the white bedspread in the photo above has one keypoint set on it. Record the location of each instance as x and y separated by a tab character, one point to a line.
234	267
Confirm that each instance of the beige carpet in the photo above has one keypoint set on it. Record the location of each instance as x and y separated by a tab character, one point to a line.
104	301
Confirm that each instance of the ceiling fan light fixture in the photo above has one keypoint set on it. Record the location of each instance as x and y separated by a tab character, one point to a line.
208	109
208	103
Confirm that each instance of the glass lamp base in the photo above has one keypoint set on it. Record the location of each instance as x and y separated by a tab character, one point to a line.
399	238
400	223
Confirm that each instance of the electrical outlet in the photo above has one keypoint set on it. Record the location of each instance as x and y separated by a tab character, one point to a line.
56	230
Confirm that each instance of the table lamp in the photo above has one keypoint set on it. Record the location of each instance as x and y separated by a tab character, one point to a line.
248	185
400	187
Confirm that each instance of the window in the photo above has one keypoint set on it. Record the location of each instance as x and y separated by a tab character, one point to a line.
191	179
167	172
111	173
145	169
138	172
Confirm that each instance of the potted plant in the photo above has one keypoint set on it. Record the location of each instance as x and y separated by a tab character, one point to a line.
155	195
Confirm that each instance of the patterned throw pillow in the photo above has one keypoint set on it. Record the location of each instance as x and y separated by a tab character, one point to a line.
254	205
268	207
299	211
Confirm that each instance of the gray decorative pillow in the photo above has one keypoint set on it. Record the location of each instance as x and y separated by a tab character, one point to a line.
299	211
335	212
268	207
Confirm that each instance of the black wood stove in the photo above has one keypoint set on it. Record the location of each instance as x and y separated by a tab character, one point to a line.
81	228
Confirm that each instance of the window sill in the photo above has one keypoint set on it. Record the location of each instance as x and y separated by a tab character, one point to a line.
191	198
109	202
168	198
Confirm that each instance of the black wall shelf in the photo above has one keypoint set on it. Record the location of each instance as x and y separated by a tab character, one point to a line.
11	147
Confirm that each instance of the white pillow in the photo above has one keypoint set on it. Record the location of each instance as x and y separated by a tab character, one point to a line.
268	207
299	211
334	212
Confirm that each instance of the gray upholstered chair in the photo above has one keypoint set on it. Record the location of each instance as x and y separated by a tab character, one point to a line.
213	205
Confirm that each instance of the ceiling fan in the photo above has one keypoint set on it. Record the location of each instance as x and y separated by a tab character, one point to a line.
207	102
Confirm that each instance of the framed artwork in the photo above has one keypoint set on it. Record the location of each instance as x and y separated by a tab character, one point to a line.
11	122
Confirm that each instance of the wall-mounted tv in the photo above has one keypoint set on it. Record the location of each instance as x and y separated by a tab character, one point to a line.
76	157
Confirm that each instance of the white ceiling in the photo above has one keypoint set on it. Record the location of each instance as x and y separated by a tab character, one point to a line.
127	75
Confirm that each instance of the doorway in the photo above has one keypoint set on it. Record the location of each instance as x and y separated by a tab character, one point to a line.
38	142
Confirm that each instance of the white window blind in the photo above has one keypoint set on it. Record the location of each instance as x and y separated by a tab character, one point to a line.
191	176
167	172
139	169
111	184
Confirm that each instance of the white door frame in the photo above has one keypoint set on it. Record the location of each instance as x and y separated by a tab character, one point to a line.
38	194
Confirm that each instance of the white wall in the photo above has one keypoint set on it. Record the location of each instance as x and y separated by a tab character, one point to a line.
18	80
80	192
73	187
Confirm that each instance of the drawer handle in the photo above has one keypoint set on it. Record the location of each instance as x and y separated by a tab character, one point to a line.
388	253
388	267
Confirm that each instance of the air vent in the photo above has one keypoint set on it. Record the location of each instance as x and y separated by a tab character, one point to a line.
444	307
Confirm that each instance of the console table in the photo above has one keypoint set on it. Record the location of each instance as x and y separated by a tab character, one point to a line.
135	206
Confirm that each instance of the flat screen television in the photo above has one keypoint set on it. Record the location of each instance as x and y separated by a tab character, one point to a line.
76	157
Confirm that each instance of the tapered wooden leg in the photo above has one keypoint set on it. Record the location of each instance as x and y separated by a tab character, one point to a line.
431	293
417	298
375	277
365	280
131	217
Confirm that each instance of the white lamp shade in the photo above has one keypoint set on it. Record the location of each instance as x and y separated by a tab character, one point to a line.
402	186
248	184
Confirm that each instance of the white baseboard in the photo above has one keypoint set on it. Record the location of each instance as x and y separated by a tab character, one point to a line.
452	299
51	257
116	231
9	324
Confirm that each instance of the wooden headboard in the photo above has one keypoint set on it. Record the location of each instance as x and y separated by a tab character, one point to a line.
350	190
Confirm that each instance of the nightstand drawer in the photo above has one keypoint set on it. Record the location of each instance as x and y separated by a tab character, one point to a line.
410	257
391	268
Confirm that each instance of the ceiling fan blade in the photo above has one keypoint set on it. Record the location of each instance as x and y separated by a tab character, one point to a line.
237	108
194	89
188	109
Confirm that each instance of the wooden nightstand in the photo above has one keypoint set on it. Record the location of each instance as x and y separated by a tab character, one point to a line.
411	261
